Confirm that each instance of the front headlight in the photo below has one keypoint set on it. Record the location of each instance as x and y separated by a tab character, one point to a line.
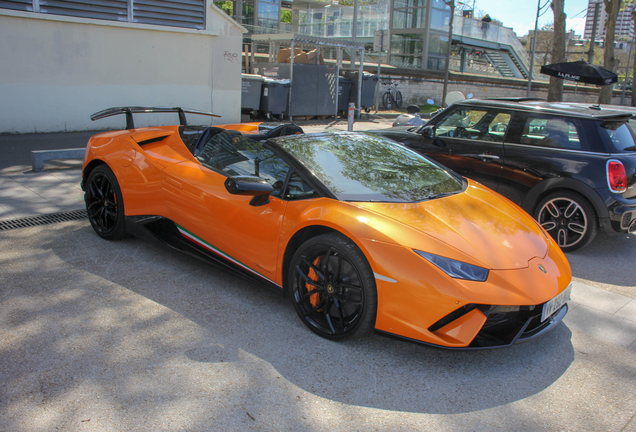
455	269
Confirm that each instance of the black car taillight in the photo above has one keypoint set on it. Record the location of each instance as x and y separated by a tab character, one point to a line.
616	176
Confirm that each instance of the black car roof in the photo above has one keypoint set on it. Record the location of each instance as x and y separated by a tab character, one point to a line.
567	109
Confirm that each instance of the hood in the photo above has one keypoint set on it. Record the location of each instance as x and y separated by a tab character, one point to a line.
477	223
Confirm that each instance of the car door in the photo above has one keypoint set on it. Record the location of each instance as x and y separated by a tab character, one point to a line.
538	147
229	225
469	140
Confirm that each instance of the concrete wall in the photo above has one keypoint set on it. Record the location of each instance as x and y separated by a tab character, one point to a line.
56	71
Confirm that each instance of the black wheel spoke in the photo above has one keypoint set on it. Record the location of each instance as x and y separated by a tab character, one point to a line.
308	294
314	268
307	279
316	308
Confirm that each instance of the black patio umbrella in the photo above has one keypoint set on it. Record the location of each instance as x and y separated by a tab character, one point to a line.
580	71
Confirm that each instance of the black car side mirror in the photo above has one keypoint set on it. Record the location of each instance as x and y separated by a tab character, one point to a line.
250	185
428	132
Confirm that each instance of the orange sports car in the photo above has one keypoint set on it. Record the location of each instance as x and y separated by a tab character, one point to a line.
360	232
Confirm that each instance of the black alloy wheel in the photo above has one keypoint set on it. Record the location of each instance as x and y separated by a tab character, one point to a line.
104	204
568	218
333	288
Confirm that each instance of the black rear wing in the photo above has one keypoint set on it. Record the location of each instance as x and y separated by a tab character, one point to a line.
130	124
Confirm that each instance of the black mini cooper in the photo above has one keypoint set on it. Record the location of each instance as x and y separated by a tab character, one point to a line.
571	166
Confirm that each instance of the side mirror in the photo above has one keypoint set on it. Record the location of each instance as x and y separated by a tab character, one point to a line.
250	185
428	132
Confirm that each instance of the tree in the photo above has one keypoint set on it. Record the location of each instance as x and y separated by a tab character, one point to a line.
555	89
609	59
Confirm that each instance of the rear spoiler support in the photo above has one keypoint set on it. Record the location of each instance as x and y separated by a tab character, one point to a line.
129	111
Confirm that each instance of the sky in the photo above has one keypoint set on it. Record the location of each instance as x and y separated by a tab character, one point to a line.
521	14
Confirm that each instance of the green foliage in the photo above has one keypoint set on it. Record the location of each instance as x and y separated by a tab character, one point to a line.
285	16
226	6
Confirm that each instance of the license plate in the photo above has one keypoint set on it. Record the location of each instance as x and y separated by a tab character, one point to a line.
556	303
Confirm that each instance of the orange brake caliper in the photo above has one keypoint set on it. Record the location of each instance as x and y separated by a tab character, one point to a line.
314	298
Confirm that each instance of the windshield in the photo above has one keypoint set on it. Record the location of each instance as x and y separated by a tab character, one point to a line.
360	167
619	135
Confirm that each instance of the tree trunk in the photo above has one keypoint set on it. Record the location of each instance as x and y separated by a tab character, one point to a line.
555	89
634	64
609	60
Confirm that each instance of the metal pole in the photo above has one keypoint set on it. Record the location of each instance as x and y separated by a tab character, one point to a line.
534	47
360	77
291	80
354	29
629	59
377	84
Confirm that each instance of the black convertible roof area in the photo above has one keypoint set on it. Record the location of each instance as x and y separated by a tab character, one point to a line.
569	109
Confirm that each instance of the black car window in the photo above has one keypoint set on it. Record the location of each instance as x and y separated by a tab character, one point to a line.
545	131
232	154
618	136
474	123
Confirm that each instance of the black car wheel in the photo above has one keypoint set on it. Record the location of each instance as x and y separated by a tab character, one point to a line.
333	288
569	218
104	204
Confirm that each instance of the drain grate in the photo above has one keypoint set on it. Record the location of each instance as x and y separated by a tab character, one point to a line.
43	220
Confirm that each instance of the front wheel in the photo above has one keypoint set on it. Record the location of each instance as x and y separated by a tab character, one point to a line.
569	218
387	100
398	99
104	204
333	288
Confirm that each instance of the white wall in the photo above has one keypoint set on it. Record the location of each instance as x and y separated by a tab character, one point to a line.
56	71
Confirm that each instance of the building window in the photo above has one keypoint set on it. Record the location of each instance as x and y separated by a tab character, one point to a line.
177	13
407	50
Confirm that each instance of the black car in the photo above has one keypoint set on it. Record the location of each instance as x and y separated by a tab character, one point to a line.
571	166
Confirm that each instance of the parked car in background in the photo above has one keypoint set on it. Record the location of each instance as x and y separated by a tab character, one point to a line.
571	166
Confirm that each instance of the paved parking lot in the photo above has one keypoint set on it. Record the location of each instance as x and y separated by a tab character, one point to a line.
109	336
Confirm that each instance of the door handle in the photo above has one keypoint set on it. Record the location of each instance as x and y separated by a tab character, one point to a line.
174	182
487	157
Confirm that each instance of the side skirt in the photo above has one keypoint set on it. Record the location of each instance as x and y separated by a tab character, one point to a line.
162	230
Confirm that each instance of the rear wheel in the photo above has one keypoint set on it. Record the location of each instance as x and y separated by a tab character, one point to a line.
104	204
333	288
569	218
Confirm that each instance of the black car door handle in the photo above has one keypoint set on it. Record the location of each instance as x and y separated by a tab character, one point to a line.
488	157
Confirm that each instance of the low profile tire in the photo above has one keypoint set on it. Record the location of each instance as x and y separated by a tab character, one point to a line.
333	288
104	204
569	218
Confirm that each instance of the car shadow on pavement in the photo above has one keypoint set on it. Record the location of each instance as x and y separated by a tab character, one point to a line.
238	322
607	261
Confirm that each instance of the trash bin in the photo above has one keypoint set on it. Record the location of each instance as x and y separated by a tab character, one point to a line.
369	84
344	90
274	97
251	87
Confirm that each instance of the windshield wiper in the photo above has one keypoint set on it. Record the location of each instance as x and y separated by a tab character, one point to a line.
631	148
441	195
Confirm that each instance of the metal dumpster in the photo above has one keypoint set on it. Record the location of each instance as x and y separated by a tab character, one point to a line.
369	84
251	87
274	97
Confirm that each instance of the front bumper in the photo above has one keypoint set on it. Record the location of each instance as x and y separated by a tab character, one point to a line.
504	331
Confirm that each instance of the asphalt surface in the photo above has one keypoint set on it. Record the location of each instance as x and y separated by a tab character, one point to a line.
132	336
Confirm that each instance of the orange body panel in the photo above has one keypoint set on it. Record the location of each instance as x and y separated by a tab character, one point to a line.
478	227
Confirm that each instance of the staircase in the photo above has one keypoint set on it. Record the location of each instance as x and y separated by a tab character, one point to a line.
500	64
